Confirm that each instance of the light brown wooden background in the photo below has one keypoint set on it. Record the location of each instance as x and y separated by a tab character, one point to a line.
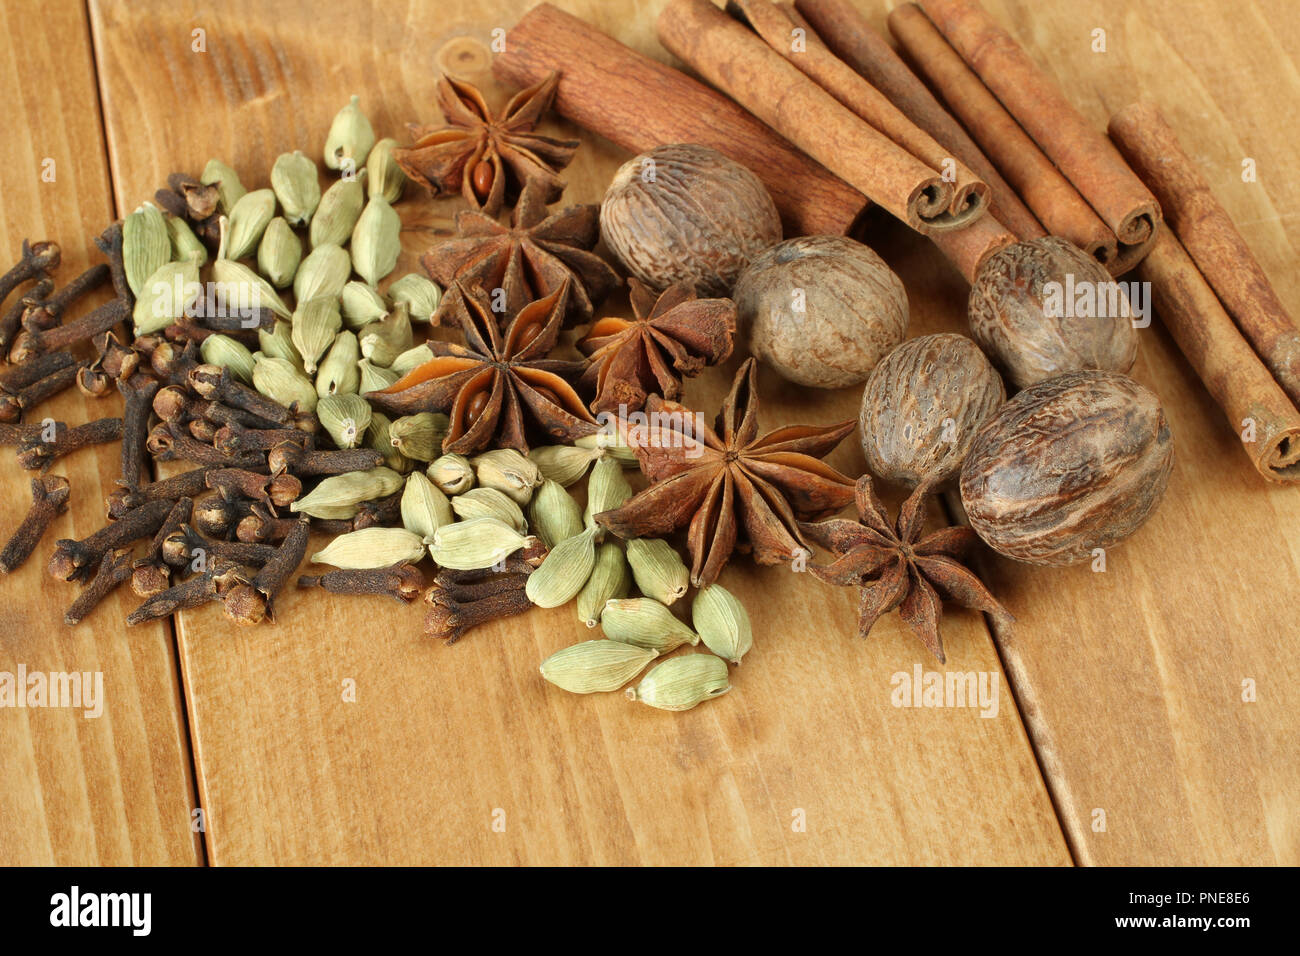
1121	693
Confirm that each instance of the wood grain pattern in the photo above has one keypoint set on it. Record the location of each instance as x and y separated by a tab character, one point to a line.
114	789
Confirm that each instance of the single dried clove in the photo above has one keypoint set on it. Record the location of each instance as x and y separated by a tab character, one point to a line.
151	574
226	415
49	500
137	394
110	244
30	344
116	359
186	484
13	317
183	545
402	582
76	560
272	490
13	404
293	458
233	439
449	618
262	526
215	384
37	260
41	453
251	603
18	377
200	589
113	570
48	312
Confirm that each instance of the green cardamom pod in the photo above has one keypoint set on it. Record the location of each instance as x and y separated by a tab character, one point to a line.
565	464
277	342
338	212
645	622
376	240
377	437
489	503
146	245
279	253
507	470
658	569
554	513
418	293
229	189
371	548
411	359
611	443
475	544
383	341
248	221
606	490
241	284
338	373
453	474
165	296
560	577
722	623
228	353
297	185
315	325
425	509
374	378
324	272
350	489
384	177
609	580
281	382
344	417
681	682
419	437
350	138
185	245
362	305
595	666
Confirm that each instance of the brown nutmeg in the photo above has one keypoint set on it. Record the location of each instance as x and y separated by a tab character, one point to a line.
923	405
821	310
1043	307
687	212
1071	464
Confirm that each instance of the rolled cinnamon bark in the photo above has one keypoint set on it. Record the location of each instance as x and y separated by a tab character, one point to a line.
639	103
1257	408
729	56
968	248
1208	234
1055	202
848	35
815	59
1087	158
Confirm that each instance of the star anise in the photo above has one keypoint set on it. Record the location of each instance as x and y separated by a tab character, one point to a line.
715	479
528	259
498	381
486	158
897	568
673	335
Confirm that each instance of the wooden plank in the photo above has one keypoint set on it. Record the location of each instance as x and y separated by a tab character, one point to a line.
441	743
114	789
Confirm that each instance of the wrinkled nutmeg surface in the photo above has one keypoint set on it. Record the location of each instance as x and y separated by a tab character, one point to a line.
821	310
687	212
923	405
1071	464
1034	330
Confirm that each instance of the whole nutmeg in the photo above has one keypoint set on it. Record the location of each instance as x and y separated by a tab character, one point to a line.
1043	307
687	212
923	405
1071	464
821	310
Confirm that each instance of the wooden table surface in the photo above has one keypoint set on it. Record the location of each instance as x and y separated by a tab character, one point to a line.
340	735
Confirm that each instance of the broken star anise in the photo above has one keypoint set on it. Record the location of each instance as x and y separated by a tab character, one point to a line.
498	381
528	259
487	158
673	335
897	568
716	479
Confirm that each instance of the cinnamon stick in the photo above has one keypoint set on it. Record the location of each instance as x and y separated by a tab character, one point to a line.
639	103
1257	408
1211	239
846	32
1087	158
969	195
739	63
968	248
1055	202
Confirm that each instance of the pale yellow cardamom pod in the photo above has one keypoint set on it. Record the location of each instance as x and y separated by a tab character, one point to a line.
378	438
344	417
475	544
722	622
453	474
564	571
324	272
374	378
362	305
658	569
554	514
376	240
243	287
425	509
297	185
384	177
315	324
281	382
595	666
610	579
507	470
279	253
682	682
338	373
165	296
337	214
185	245
383	341
645	622
348	490
562	463
248	221
228	353
277	342
371	548
229	189
489	503
418	293
608	489
146	245
412	358
350	138
419	437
